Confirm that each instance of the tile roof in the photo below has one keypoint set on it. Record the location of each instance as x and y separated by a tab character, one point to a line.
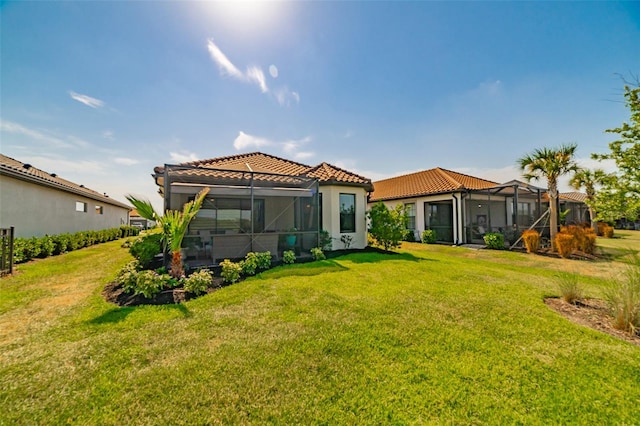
14	168
426	182
580	197
235	166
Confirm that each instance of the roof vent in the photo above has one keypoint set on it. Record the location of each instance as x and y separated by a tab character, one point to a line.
54	175
26	166
81	186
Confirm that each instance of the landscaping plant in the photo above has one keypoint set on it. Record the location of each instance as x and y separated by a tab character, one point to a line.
230	271
531	239
317	253
569	287
387	226
429	236
494	240
288	257
624	298
198	281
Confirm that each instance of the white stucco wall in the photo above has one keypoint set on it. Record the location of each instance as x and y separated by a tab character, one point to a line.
36	210
331	215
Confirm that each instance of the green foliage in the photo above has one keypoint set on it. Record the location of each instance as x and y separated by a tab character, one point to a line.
288	257
317	253
550	164
198	282
149	283
230	271
145	248
128	275
620	195
387	226
60	243
570	288
325	240
624	298
494	240
263	260
428	236
250	264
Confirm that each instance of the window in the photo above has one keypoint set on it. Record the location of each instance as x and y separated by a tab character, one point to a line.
99	210
347	212
81	207
233	214
411	215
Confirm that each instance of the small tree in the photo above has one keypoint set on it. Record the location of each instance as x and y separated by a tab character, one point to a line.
549	164
589	180
620	196
174	225
388	226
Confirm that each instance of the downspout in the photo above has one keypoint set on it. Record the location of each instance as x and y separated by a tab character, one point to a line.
515	207
463	218
252	207
456	237
489	210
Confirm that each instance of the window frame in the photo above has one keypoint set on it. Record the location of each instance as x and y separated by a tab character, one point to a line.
347	214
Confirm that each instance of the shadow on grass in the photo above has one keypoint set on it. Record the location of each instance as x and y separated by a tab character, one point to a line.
116	315
305	269
382	256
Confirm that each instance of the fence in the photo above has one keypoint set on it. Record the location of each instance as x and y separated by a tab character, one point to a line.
6	251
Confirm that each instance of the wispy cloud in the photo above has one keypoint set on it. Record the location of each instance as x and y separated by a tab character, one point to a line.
125	161
108	134
245	141
66	167
291	147
87	100
253	75
15	128
183	157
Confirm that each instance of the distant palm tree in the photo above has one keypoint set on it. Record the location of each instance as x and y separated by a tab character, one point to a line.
589	179
174	225
550	164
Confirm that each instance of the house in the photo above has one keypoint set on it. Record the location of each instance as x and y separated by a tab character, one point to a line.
461	209
138	221
36	203
260	202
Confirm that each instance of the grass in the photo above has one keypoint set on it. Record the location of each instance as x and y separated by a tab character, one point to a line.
434	334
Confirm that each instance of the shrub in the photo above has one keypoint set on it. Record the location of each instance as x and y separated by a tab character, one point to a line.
60	243
588	243
20	252
249	264
494	240
46	246
264	260
607	232
564	243
128	275
428	236
230	271
624	299
198	281
145	248
317	253
387	227
288	257
325	240
531	239
150	283
569	287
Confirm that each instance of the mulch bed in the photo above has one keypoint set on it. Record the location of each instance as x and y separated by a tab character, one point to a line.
592	313
114	293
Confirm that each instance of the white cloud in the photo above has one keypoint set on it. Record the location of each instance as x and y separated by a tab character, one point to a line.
126	161
15	128
253	75
87	100
244	141
303	155
225	65
53	163
256	75
108	134
183	157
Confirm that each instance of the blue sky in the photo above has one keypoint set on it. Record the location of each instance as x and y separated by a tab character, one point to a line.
101	92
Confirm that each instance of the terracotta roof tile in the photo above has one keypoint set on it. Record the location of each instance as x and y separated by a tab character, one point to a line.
573	196
432	181
15	168
237	166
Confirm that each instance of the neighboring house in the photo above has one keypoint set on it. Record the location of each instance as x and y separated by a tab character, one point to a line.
138	221
259	202
461	209
37	203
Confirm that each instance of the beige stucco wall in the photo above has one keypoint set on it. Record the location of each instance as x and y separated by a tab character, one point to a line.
331	215
36	210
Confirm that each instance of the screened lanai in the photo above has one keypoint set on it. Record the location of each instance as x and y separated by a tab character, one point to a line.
244	211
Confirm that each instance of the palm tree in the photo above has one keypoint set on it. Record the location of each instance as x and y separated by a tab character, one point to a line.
174	225
589	179
550	164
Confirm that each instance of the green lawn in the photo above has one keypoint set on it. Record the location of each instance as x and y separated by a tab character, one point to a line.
434	334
